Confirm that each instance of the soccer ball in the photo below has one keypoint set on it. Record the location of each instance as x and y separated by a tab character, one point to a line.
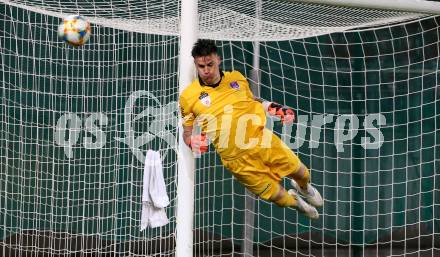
74	30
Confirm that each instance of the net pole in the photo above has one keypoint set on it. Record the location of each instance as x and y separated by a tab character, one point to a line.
186	164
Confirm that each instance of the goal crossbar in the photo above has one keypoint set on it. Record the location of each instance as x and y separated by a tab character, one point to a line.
414	6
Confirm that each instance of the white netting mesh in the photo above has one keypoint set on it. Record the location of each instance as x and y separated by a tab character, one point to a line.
76	123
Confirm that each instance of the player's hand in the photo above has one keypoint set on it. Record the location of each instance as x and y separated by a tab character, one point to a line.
199	143
286	114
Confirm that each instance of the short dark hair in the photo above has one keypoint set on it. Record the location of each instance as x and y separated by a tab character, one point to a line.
204	47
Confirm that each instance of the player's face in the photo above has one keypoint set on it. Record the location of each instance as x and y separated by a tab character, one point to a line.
208	68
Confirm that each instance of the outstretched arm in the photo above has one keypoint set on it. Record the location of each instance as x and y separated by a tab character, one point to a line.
285	113
258	99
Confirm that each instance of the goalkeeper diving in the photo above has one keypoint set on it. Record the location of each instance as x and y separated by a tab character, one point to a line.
234	120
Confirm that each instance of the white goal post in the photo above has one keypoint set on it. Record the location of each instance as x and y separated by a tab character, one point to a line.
186	165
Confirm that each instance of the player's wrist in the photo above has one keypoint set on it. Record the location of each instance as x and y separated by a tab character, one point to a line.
198	143
266	105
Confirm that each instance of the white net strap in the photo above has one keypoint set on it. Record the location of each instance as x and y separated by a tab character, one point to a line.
224	20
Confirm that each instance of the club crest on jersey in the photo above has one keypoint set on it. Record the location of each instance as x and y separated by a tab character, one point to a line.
234	85
205	99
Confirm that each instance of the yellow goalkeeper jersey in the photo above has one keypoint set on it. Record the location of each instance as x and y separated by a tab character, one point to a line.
226	112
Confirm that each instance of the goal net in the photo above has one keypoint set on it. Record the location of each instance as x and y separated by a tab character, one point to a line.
77	122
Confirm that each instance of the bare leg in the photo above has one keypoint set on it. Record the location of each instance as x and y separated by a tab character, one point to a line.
291	199
301	183
301	176
283	199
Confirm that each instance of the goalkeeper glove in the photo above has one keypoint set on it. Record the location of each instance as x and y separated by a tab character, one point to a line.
286	114
199	143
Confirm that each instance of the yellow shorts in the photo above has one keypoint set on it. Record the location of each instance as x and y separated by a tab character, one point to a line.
262	169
